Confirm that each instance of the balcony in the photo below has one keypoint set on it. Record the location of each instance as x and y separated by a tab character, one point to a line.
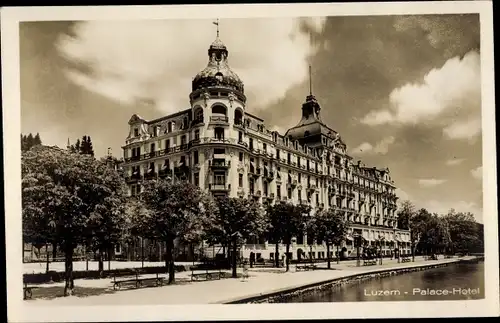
241	142
219	164
220	120
269	174
133	178
165	172
150	175
219	187
254	171
312	187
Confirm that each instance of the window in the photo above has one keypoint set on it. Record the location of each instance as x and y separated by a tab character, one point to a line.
299	194
264	147
240	180
183	161
278	190
152	148
264	186
317	198
250	143
195	157
136	132
219	133
289	158
289	193
252	185
118	249
240	136
219	179
300	177
219	151
198	115
167	143
307	165
238	117
197	134
196	179
169	127
241	157
183	140
298	161
166	165
219	109
277	153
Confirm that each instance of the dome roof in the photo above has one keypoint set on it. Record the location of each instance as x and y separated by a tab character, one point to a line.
217	73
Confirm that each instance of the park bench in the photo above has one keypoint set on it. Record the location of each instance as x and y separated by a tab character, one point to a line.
207	273
137	280
28	291
405	259
306	267
369	262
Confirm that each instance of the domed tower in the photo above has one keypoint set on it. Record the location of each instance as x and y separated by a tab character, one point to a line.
217	92
218	107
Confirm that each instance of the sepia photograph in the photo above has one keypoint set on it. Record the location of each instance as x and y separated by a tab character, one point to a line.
298	160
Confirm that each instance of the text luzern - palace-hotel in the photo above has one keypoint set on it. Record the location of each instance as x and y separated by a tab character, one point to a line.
219	146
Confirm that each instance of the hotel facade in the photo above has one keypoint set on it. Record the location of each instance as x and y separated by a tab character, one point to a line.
222	148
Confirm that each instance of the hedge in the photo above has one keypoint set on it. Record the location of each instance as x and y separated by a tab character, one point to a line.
53	276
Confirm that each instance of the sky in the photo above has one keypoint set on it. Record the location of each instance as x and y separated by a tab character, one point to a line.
404	92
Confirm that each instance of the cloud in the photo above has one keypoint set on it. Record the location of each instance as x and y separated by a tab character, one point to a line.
466	129
133	60
403	195
431	182
443	207
455	161
477	173
455	87
381	148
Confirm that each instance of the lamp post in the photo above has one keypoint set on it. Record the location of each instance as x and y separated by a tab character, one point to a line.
397	247
357	238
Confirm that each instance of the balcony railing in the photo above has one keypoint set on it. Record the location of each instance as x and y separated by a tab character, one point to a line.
219	119
219	164
255	171
219	187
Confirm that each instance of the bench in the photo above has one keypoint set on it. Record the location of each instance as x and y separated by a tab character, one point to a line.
369	262
306	267
207	274
139	281
405	259
28	291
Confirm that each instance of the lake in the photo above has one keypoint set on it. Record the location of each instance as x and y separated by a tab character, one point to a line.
454	282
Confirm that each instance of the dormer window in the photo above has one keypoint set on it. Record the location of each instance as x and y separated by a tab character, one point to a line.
219	77
136	132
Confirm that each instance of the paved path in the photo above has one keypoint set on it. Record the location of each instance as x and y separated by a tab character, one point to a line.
261	281
39	267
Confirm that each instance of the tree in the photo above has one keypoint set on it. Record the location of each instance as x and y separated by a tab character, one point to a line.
86	146
464	231
175	211
285	222
331	227
28	141
108	219
37	140
235	221
66	190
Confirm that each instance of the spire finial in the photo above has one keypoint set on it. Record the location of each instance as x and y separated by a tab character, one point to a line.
310	81
217	24
68	144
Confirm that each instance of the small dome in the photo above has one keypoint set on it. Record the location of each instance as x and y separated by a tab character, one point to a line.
217	72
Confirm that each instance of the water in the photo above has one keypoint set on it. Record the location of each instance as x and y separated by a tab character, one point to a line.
454	282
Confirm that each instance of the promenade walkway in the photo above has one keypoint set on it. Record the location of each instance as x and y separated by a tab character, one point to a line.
261	281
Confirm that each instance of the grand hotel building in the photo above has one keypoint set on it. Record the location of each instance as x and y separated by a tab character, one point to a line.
219	146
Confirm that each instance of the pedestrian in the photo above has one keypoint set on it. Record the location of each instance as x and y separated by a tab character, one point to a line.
245	270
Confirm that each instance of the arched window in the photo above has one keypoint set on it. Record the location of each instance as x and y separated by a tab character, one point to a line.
198	115
238	117
219	109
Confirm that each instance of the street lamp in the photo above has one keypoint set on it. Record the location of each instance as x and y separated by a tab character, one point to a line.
357	238
397	247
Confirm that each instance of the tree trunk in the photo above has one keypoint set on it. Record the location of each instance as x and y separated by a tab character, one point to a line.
69	284
277	254
286	256
338	254
413	252
54	252
169	261
101	262
47	255
233	259
109	259
328	255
